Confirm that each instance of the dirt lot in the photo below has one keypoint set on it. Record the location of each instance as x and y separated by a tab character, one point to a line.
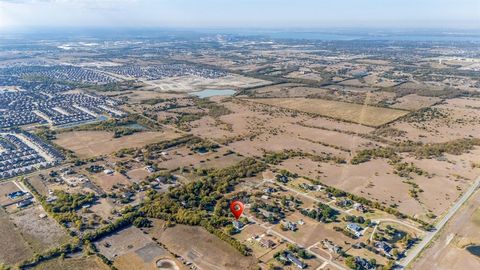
17	249
366	115
91	263
38	183
40	233
146	258
106	182
94	143
209	252
123	242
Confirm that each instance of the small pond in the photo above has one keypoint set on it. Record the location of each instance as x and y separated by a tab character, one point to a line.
475	250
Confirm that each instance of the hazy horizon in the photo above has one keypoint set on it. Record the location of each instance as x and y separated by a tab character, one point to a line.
244	14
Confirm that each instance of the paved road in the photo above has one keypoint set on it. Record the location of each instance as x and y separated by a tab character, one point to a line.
430	235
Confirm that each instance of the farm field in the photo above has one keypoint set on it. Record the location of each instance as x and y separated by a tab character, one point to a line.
18	248
41	233
362	114
91	263
149	257
88	144
453	119
209	252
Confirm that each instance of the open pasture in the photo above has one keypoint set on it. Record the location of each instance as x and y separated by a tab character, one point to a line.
362	114
88	144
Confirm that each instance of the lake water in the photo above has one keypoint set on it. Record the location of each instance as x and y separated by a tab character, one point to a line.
213	92
475	250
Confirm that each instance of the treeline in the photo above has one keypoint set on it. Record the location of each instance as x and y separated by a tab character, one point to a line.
323	213
78	244
276	158
199	201
366	155
120	127
227	238
154	101
418	149
128	85
188	139
74	246
148	150
214	109
455	147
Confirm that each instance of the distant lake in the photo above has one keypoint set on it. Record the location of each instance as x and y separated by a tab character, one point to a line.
375	35
213	92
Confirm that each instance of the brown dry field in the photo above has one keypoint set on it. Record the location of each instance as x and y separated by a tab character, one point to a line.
40	233
123	242
138	174
184	157
375	180
321	122
209	252
17	249
463	120
275	90
95	143
351	88
279	143
377	81
145	258
448	250
90	263
352	82
38	183
414	102
366	115
106	182
420	85
256	128
103	208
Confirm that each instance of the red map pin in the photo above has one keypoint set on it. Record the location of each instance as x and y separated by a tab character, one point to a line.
236	207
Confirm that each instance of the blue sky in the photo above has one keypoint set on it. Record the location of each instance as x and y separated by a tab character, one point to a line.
242	13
